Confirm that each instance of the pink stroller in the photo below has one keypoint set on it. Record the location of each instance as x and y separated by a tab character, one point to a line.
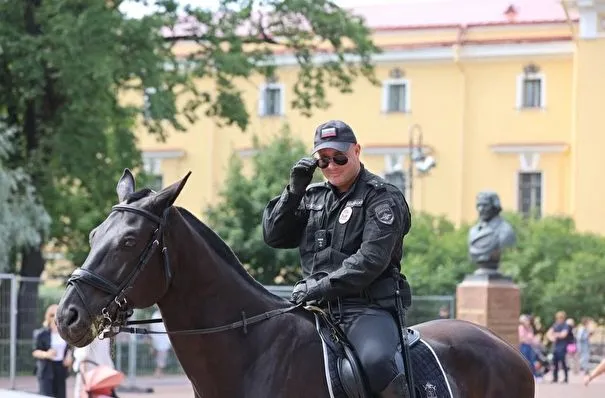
100	381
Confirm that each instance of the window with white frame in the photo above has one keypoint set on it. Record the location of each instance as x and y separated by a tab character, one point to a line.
531	91
147	109
272	101
152	167
530	193
393	171
396	95
393	162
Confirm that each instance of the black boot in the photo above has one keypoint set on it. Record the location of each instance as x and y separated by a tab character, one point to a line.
397	388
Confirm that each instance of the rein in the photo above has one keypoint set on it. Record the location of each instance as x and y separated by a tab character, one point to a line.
244	323
118	323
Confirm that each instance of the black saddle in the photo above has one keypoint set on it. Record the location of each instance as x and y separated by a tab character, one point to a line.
345	373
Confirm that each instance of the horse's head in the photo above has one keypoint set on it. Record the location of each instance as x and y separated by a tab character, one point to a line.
127	266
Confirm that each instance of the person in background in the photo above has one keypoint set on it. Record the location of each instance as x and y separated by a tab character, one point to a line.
572	347
99	352
444	312
53	357
160	344
559	334
583	336
527	340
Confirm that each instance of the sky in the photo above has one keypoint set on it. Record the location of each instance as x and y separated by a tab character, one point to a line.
136	9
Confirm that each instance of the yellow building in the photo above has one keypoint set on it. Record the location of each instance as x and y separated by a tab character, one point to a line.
507	98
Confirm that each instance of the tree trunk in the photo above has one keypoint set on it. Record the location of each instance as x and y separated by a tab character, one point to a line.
31	313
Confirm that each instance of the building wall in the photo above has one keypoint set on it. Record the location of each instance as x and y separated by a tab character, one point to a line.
463	87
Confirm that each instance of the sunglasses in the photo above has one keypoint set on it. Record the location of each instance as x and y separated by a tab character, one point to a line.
339	160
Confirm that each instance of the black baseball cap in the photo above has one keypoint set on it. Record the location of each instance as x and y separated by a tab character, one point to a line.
334	134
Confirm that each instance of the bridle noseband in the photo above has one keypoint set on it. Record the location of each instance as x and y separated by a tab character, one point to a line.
123	311
114	325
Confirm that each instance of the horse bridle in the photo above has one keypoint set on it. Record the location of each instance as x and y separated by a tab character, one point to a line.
119	292
114	325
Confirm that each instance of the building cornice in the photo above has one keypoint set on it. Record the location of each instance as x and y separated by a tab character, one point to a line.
517	148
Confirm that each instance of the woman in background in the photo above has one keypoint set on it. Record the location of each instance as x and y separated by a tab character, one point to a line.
527	341
583	341
53	357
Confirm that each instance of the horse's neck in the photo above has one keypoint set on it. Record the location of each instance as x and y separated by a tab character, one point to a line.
206	292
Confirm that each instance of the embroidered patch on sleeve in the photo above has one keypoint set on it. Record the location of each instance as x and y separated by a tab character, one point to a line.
385	214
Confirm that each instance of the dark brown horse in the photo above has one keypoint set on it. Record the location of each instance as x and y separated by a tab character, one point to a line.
148	251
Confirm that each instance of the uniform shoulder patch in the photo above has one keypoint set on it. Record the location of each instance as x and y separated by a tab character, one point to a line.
377	184
384	213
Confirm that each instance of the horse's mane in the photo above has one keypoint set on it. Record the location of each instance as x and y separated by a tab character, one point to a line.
223	250
140	194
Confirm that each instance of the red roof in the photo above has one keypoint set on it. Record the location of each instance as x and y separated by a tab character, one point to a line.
459	12
409	14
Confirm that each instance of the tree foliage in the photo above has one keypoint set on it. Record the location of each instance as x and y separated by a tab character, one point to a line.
237	218
556	267
435	255
65	66
23	220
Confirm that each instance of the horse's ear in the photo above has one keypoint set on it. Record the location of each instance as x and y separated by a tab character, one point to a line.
167	196
125	185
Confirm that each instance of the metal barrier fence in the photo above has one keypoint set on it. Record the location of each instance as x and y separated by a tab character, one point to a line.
23	302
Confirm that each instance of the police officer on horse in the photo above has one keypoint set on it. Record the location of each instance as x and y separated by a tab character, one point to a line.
349	231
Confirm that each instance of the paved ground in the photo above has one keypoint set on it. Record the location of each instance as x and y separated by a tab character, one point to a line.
179	387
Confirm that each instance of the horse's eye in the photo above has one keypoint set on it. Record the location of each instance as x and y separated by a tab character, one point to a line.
129	242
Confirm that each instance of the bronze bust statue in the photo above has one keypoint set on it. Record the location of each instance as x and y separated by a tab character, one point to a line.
490	235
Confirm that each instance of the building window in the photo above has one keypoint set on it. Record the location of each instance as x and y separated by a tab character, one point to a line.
530	194
393	162
272	100
396	96
147	101
531	91
393	171
153	170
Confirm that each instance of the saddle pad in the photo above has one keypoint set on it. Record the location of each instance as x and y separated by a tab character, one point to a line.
429	378
334	385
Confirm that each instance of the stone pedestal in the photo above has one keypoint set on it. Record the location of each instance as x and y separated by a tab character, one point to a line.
490	299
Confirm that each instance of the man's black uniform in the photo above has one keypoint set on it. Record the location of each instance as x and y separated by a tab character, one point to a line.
350	244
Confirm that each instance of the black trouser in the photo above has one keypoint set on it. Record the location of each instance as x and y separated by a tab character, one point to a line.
559	355
55	386
374	334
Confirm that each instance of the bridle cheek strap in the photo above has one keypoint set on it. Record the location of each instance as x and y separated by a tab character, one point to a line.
119	292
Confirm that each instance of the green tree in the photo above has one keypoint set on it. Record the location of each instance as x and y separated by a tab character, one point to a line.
556	267
435	255
237	218
23	219
65	63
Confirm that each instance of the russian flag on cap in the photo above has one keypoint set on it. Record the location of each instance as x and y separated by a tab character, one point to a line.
328	132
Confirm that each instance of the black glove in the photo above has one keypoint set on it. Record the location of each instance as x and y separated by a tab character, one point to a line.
301	175
299	293
307	290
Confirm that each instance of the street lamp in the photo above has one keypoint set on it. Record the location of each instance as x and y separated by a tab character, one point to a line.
417	159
